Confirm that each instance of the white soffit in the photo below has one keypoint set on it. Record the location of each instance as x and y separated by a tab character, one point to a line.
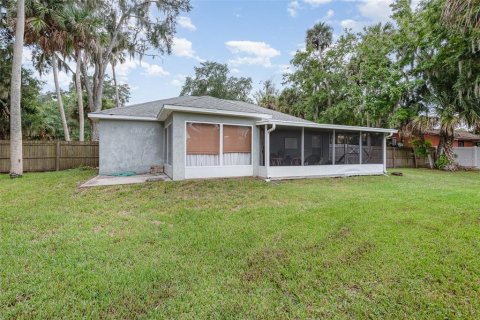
324	126
167	109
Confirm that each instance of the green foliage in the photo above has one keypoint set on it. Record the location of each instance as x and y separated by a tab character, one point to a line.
421	148
442	162
213	79
267	96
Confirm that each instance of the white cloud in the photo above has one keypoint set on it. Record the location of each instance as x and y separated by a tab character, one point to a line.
330	14
376	10
251	52
316	3
186	22
154	70
355	26
292	8
122	70
179	80
183	48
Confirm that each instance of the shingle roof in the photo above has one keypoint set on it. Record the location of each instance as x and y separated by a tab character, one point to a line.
459	135
153	108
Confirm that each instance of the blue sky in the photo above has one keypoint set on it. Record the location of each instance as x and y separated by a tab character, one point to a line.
255	38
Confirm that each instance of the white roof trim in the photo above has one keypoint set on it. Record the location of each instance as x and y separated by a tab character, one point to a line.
325	126
213	111
119	117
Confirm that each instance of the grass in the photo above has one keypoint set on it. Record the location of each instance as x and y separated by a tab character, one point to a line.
376	247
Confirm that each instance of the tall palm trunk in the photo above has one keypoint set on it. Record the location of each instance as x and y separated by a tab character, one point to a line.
448	151
59	98
78	84
16	158
117	97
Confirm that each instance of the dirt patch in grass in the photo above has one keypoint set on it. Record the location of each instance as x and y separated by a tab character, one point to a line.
358	252
19	298
264	264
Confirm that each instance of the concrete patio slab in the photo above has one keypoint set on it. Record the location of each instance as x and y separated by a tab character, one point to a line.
111	180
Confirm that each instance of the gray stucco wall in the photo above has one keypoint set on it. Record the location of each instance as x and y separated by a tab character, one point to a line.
179	120
130	146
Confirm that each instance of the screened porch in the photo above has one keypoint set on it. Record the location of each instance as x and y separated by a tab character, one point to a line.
306	151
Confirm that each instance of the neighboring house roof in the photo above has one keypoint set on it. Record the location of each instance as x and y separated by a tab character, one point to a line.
160	109
459	135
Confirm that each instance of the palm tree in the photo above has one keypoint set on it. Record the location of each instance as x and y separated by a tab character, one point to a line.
81	26
16	158
45	29
447	115
319	37
463	15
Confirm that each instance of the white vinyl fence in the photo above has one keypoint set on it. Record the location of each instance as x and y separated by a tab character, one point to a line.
467	156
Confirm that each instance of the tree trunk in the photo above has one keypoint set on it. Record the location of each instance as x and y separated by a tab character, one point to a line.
97	97
16	157
441	144
78	83
117	97
448	151
59	98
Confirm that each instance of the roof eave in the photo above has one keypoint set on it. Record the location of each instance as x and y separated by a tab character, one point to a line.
104	116
168	109
324	126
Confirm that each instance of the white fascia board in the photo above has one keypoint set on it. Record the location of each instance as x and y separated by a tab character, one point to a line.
100	116
325	126
169	108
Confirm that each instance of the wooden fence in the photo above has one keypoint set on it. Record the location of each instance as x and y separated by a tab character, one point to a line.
403	158
51	155
61	155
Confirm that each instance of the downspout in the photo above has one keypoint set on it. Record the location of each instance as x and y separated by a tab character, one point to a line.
267	149
385	151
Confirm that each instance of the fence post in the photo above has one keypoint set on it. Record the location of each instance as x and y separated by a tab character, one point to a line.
57	156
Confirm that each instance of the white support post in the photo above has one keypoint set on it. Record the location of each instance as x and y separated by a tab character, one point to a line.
267	149
221	144
384	153
303	146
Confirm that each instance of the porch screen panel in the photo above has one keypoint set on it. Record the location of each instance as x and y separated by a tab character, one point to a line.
347	148
317	147
237	145
203	144
286	147
372	148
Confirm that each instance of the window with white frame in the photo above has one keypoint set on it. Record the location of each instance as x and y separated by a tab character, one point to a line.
203	144
237	145
205	148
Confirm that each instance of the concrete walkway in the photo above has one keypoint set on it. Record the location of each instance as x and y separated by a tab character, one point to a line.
111	180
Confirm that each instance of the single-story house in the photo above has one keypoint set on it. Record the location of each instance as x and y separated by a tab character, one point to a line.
462	139
206	137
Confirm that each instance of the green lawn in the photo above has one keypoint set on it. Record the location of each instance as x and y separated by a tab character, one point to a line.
377	247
